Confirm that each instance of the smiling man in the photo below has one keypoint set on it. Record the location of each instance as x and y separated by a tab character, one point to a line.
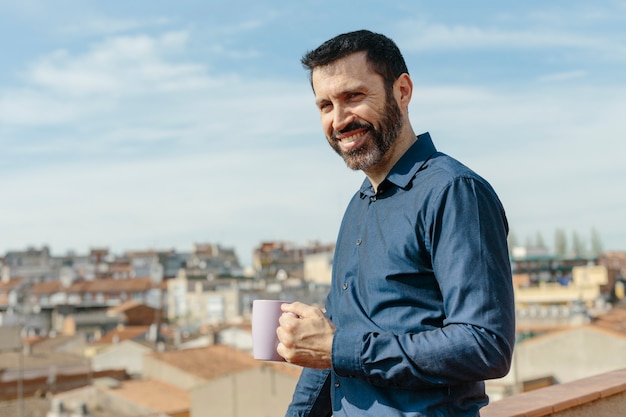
421	307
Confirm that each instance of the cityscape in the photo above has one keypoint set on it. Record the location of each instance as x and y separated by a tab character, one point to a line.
167	333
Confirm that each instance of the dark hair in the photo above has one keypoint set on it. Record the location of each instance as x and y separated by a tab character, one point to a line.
383	55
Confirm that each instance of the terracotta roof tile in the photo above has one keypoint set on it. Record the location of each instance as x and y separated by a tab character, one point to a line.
209	362
155	395
110	285
10	284
47	287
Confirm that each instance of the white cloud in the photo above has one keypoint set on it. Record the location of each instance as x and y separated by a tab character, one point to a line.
101	25
119	66
66	87
29	107
563	76
421	35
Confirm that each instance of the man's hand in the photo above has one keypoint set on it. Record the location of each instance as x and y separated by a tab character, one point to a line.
306	336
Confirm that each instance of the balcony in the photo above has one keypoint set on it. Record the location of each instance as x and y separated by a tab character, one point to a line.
602	395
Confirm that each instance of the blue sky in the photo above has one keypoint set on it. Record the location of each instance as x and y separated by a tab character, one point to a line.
157	124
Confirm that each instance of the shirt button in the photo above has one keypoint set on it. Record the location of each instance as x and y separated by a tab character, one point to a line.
358	242
345	285
336	384
373	198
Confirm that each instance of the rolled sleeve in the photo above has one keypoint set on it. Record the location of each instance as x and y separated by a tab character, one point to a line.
346	354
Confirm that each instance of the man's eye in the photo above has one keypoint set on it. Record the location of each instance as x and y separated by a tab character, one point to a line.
325	106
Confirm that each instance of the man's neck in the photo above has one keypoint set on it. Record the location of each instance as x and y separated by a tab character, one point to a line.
378	173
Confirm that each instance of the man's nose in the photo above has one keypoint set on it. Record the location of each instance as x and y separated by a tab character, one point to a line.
342	117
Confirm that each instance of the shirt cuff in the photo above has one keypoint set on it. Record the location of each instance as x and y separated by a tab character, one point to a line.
346	354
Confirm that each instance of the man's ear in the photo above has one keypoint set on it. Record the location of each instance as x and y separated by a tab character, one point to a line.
403	90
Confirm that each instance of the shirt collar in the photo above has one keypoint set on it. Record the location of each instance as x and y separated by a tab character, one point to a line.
407	166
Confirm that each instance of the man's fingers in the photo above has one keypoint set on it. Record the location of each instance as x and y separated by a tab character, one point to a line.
301	310
296	308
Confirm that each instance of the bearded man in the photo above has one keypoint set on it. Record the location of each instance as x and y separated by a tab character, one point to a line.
421	308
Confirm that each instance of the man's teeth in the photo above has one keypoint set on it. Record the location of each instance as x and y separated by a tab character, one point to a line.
350	139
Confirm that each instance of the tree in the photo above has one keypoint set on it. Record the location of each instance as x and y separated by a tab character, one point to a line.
596	243
539	243
577	245
560	242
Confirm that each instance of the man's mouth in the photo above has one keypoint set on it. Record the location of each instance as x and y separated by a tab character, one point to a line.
349	139
352	140
352	136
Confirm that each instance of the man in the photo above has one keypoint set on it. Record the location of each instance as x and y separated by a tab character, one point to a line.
421	306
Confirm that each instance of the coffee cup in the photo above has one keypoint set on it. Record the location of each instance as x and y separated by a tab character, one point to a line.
265	315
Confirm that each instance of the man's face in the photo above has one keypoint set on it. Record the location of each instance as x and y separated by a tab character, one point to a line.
360	120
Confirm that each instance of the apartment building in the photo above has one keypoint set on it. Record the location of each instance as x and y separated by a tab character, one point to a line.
32	264
279	259
197	303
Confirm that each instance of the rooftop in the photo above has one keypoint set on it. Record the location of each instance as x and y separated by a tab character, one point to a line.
602	395
218	360
154	394
209	362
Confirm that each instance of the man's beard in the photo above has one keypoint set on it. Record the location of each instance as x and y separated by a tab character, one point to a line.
383	136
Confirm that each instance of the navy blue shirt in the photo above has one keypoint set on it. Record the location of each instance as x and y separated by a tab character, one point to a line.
421	296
